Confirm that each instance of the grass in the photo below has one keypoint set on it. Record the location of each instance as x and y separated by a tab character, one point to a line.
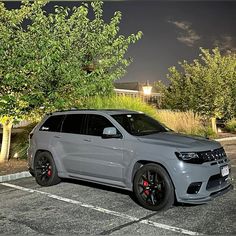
119	102
184	122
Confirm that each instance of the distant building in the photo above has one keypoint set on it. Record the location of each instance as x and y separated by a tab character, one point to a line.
135	89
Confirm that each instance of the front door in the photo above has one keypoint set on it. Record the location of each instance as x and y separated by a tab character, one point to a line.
103	157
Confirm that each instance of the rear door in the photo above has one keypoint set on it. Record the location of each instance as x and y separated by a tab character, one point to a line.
69	144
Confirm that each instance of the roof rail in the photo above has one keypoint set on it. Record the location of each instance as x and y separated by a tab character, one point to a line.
90	109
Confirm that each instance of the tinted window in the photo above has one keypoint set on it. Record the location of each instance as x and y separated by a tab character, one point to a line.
96	124
53	124
139	124
73	124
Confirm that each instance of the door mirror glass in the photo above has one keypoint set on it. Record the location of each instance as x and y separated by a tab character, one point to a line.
110	132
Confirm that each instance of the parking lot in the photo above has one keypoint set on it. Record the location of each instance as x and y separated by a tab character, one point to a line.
76	207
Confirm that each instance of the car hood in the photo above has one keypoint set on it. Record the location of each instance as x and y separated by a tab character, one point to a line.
180	141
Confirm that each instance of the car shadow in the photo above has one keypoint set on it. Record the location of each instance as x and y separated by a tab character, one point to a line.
97	186
119	191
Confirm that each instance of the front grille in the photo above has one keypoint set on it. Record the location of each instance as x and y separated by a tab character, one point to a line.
213	155
215	181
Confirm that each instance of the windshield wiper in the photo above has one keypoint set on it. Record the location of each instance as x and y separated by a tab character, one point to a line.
147	132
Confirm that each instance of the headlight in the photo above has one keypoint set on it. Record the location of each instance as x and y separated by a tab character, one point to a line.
190	157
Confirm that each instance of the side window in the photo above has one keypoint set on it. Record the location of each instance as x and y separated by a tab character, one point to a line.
123	121
96	124
73	124
53	124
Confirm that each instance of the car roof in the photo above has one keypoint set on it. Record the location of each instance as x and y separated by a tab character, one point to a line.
96	111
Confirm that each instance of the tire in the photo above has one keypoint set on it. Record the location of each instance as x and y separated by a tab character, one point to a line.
153	188
45	170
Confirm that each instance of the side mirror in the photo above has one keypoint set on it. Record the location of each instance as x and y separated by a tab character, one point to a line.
110	132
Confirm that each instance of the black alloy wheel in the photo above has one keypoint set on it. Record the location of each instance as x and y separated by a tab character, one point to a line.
153	187
45	169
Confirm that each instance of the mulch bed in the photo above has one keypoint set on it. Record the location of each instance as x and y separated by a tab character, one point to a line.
13	166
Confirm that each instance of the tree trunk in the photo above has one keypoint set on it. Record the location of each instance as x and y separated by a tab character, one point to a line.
213	124
6	141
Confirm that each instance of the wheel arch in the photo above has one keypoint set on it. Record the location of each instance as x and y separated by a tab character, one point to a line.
56	160
140	163
51	166
166	201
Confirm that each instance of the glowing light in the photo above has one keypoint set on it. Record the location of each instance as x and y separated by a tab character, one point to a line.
219	130
147	89
16	155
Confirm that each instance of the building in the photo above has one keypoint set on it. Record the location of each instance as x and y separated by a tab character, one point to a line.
137	89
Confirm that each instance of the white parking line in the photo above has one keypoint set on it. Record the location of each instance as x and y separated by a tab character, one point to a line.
103	210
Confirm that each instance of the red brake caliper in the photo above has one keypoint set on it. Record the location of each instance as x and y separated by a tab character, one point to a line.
145	184
49	171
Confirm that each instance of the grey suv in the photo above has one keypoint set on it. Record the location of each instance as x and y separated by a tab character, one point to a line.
128	150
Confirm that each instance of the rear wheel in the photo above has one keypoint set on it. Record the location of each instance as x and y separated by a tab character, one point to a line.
153	187
45	169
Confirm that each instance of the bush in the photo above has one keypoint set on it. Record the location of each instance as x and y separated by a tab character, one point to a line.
20	142
231	125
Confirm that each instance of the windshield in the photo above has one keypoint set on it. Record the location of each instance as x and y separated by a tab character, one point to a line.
139	124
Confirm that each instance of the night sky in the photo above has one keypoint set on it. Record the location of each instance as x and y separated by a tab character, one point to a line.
173	31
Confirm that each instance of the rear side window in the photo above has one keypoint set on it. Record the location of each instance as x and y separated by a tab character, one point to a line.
96	124
52	124
73	124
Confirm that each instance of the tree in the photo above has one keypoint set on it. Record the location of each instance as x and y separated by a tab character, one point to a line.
207	86
14	81
51	61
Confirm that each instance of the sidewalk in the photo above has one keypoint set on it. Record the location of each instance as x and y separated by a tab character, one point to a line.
223	137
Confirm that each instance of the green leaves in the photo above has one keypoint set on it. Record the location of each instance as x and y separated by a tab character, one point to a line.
54	60
206	86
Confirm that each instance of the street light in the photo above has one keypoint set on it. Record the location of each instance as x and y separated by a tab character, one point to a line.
147	89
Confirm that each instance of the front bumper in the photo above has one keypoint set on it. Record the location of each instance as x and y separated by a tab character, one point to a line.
209	177
203	200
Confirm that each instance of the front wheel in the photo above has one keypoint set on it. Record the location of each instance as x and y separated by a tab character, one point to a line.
153	188
45	169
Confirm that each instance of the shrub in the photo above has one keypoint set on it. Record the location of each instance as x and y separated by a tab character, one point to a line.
20	142
231	125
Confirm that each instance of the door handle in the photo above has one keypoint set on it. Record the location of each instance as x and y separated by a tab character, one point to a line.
57	136
87	140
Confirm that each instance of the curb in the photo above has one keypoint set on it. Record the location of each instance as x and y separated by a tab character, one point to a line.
226	139
15	176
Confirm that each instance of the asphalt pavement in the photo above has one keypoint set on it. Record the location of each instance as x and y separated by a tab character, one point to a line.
76	207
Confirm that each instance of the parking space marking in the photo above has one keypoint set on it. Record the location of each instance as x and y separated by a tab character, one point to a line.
103	210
